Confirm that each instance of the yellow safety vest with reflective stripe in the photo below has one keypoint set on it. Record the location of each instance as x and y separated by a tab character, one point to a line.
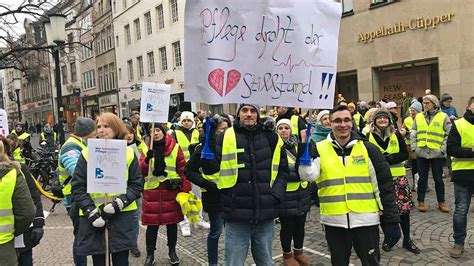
408	124
17	155
142	148
432	135
43	137
138	131
230	165
366	130
356	118
152	182
345	188
214	178
99	198
294	125
293	186
196	206
392	148
466	131
62	172
23	136
7	219
184	142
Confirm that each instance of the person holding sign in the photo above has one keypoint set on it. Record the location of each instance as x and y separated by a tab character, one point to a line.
162	184
296	203
252	181
117	213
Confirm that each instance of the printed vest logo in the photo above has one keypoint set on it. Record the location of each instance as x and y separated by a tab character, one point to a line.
358	160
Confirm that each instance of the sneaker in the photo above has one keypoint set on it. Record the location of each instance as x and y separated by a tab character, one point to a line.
456	251
417	177
135	252
186	230
203	224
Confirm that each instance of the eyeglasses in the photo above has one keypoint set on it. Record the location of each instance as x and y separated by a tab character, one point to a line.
340	120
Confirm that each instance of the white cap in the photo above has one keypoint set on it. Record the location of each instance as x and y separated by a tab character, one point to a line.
390	105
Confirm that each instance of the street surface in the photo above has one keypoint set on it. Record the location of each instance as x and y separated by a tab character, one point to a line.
431	232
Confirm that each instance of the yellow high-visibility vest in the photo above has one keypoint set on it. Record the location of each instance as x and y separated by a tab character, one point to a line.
293	186
152	182
63	174
184	142
408	124
466	131
43	136
345	188
99	198
17	155
23	136
392	148
294	125
432	135
356	118
230	165
7	219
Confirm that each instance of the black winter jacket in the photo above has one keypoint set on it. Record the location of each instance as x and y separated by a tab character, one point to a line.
295	203
252	200
454	149
211	200
121	235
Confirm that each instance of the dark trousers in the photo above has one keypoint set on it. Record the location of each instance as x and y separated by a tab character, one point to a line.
365	241
404	224
25	258
437	171
152	235
78	260
118	259
292	228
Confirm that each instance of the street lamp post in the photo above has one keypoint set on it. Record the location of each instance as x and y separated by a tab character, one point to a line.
56	35
17	86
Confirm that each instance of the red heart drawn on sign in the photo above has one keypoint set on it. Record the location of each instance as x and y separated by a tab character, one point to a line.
216	80
233	78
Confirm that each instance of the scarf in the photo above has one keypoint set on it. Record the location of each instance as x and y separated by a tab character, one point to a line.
291	141
320	133
385	133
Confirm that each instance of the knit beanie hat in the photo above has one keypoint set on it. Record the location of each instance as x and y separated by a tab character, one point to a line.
383	113
321	114
445	97
351	105
390	105
186	115
257	108
161	127
83	126
363	103
417	106
432	99
285	122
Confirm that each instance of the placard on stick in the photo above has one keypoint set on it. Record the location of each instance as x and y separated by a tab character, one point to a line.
3	123
155	102
106	166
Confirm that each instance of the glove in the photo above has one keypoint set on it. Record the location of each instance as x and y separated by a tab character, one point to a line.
36	235
269	124
149	155
95	219
388	157
392	233
111	208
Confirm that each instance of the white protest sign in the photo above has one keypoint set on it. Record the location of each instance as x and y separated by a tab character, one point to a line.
106	166
3	123
272	52
155	102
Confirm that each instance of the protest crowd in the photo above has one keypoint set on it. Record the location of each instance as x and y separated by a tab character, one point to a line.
248	172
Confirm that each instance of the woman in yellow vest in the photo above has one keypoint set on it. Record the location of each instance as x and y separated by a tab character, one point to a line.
16	205
162	186
119	211
296	203
414	109
390	142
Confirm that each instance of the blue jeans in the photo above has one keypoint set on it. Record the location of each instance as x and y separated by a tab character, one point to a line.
437	171
238	237
215	218
462	195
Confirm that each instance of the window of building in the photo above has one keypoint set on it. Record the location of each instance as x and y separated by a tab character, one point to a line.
64	74
112	76
174	10
86	51
103	35
101	79
138	34
73	72
376	3
163	60
110	37
149	29
117	41
130	70
106	78
151	63
128	38
177	54
140	67
88	79
160	17
346	6
98	44
70	40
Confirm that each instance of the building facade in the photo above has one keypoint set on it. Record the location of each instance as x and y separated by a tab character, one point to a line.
390	47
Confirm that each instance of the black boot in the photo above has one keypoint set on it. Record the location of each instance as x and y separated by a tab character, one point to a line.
150	259
410	246
173	257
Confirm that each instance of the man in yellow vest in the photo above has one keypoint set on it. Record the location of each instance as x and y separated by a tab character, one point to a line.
298	125
48	137
252	180
69	154
24	138
135	120
428	139
355	187
461	148
17	210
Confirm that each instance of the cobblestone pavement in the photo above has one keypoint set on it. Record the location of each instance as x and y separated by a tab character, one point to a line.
431	231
